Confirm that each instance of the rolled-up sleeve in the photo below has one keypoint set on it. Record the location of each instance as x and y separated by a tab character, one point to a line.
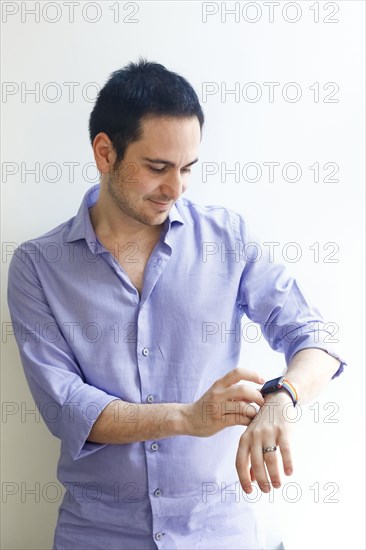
68	405
271	297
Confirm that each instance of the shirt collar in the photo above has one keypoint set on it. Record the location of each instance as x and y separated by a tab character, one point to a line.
81	227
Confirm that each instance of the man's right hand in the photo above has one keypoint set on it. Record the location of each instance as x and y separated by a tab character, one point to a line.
226	403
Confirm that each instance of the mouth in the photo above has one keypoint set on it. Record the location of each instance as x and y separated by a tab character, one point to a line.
163	205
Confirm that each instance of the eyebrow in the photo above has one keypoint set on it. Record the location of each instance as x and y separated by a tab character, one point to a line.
168	162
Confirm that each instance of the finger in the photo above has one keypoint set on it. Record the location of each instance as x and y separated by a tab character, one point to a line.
271	462
286	456
243	391
258	466
243	466
237	413
252	476
235	375
249	410
239	407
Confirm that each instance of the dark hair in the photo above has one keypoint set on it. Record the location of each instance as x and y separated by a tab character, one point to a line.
140	89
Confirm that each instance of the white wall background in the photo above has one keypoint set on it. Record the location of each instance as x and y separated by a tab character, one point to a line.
323	506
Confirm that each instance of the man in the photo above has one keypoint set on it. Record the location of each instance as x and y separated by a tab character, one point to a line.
113	333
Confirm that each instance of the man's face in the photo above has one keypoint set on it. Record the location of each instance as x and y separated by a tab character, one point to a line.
155	169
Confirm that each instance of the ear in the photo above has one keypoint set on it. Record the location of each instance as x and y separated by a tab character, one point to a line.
104	153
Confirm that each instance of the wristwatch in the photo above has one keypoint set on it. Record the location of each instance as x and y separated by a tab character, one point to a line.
278	384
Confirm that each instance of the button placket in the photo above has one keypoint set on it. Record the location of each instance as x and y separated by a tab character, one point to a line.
145	358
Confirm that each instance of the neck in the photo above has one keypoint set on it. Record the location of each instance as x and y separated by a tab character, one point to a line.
109	222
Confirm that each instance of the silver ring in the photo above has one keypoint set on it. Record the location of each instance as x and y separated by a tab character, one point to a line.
269	449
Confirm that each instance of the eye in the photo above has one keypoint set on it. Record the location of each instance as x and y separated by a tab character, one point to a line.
156	170
186	170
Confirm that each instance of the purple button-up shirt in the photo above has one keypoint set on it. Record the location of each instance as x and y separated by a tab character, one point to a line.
86	338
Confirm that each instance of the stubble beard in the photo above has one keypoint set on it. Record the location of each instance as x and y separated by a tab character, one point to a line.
126	205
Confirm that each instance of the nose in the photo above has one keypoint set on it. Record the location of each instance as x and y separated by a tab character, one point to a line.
173	186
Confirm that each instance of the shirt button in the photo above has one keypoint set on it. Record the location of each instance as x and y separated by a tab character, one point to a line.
150	398
154	447
157	493
158	536
145	352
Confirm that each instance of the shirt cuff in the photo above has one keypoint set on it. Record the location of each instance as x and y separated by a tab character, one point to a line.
321	346
82	412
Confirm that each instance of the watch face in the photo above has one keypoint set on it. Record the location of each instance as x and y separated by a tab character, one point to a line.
271	385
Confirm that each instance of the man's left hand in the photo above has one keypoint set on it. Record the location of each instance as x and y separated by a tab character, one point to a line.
269	428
